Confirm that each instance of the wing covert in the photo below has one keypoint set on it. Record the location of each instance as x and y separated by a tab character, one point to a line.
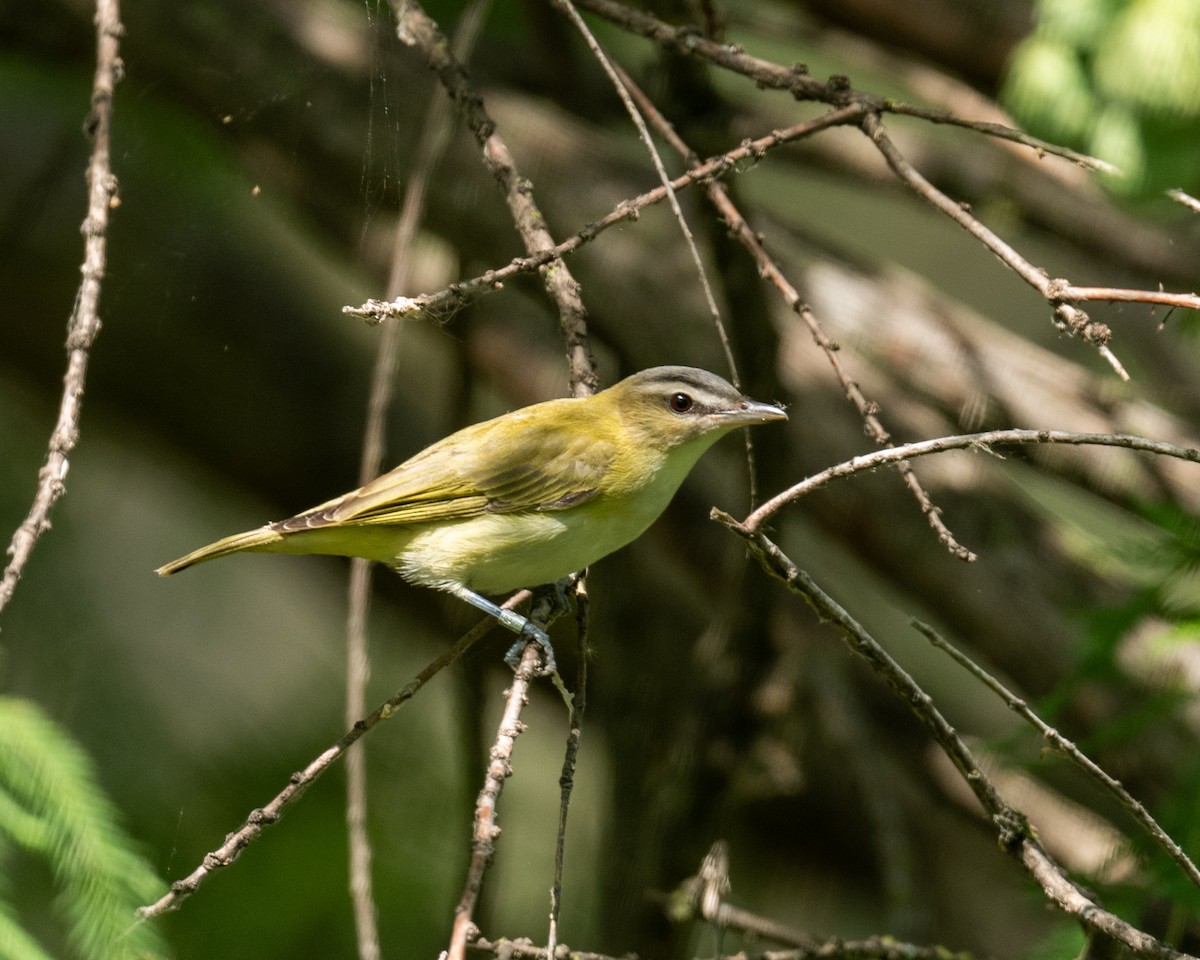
529	461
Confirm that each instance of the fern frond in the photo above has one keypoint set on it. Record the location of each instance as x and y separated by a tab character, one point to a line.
52	807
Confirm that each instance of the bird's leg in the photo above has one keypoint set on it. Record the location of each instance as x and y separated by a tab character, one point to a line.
510	620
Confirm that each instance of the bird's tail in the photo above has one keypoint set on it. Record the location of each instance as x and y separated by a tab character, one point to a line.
261	539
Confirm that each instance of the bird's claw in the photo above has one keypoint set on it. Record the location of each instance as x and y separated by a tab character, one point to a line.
530	631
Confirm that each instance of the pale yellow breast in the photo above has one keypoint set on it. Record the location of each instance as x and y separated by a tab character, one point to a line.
496	553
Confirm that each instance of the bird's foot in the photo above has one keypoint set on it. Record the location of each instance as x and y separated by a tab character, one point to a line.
530	632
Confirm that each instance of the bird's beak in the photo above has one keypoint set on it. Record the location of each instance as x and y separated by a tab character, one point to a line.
754	411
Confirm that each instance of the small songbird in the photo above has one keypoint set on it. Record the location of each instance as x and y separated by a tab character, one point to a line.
525	499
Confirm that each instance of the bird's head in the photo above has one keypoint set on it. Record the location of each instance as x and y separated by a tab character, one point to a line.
666	407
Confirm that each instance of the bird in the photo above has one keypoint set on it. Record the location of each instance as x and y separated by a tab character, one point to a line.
524	499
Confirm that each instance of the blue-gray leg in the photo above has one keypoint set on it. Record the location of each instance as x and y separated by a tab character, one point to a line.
510	620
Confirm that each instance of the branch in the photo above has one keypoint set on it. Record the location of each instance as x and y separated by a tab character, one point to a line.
415	28
836	91
979	441
1186	199
770	270
1066	747
430	146
260	819
870	948
629	92
483	842
1013	831
566	779
625	89
84	324
460	293
1059	293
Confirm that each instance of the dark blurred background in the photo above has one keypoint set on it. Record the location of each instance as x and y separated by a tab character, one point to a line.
261	150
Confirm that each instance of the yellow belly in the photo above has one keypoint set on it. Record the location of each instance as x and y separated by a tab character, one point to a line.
496	553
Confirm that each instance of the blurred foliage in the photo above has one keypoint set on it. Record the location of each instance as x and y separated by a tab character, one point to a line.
1119	80
53	810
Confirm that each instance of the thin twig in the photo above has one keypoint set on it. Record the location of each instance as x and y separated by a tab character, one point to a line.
300	781
461	292
1001	131
623	85
836	91
1188	301
1186	199
84	324
770	270
667	131
414	27
629	92
526	949
485	831
1066	747
835	948
978	441
1014	833
1059	293
566	779
430	146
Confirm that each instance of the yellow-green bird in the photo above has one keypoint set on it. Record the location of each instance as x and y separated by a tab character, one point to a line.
525	499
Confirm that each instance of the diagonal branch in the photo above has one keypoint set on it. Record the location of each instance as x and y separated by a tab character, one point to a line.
837	91
1059	293
768	269
85	318
1014	833
1064	746
415	28
457	294
260	819
973	441
796	80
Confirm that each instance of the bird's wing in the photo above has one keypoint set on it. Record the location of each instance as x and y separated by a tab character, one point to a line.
527	464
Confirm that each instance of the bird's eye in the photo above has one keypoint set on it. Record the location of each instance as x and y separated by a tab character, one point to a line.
680	402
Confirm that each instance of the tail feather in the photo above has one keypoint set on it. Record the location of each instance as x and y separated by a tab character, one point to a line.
261	539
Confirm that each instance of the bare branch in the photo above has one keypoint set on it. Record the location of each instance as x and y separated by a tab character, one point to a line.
1186	199
1057	292
1002	131
1013	831
721	165
300	781
770	270
624	87
979	441
430	146
84	324
566	779
483	837
1067	748
836	91
414	27
835	948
